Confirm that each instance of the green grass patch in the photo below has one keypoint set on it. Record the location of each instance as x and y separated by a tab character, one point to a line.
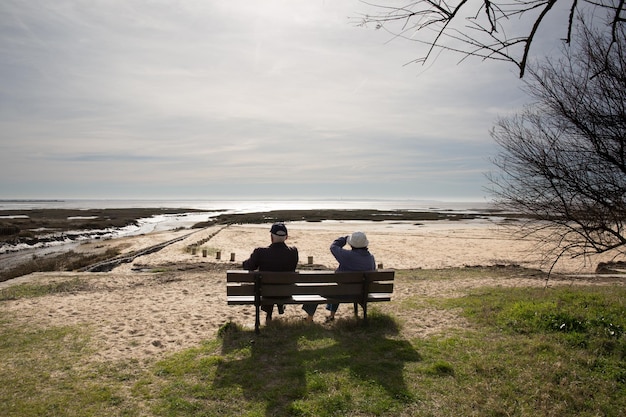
593	318
471	272
291	369
15	292
43	374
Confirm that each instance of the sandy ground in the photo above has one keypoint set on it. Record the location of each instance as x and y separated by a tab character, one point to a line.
135	314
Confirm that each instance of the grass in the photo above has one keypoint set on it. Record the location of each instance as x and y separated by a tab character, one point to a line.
37	290
40	378
527	352
292	369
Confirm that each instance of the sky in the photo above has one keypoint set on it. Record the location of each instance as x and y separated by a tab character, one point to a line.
237	99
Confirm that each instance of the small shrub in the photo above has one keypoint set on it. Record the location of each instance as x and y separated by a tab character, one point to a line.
227	328
442	368
68	261
9	230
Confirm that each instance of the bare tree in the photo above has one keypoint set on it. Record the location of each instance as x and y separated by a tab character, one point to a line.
562	161
489	29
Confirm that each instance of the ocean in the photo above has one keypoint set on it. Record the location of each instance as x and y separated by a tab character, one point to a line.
248	206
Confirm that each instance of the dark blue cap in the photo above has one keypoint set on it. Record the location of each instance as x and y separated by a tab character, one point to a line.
279	229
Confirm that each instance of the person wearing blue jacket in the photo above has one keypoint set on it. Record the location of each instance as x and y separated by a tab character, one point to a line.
358	258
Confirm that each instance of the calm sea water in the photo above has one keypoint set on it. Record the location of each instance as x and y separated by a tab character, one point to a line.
242	206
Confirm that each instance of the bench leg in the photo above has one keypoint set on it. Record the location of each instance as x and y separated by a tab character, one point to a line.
257	303
257	319
364	313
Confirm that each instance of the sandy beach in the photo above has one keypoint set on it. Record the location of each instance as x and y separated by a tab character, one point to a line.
173	299
395	245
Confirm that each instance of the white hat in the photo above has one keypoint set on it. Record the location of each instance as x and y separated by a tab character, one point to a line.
358	240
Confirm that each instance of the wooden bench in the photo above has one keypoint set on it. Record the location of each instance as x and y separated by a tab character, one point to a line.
320	287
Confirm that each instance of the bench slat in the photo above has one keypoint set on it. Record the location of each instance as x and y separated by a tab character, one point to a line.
330	276
328	289
239	276
308	276
373	297
380	287
240	290
290	278
303	288
240	299
286	290
302	299
380	275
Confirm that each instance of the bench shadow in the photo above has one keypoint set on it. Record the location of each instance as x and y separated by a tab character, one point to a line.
291	361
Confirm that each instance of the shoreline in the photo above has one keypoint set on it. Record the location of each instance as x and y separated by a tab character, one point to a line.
401	239
47	233
23	229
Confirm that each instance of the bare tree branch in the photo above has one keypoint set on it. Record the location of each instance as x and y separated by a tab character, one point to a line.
570	21
531	36
447	25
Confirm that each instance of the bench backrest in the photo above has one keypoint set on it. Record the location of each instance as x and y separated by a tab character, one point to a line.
323	283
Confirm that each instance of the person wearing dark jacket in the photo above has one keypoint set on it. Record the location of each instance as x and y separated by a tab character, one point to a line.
358	258
276	257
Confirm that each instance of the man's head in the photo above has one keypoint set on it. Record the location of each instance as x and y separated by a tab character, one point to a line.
358	240
278	232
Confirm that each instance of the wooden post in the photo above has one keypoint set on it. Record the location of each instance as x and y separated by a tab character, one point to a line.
218	255
205	252
310	260
232	257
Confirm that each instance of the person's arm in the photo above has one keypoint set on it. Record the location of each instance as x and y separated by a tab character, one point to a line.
373	264
252	262
336	248
297	258
339	242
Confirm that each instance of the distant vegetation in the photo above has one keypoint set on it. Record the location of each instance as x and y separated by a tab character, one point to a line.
69	261
27	226
366	215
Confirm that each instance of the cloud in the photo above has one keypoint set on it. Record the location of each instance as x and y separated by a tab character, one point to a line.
198	94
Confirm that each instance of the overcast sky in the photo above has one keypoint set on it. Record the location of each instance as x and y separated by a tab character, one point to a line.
238	99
